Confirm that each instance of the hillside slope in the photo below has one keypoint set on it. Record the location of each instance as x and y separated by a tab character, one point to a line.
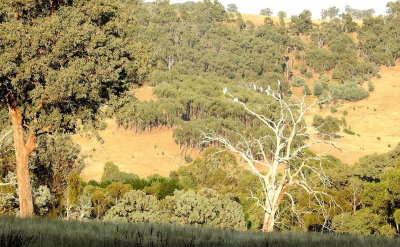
144	154
156	152
376	117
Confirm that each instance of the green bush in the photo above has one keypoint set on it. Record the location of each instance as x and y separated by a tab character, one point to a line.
371	86
298	82
112	173
318	89
306	90
327	127
349	131
333	109
188	159
349	91
309	74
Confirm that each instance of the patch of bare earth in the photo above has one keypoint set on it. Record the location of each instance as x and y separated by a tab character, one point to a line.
376	119
147	153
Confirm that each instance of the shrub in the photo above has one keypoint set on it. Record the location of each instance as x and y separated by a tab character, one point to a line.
333	109
112	173
349	131
350	92
204	208
188	159
371	86
306	90
327	127
318	89
298	82
345	113
162	187
103	125
303	69
135	206
309	74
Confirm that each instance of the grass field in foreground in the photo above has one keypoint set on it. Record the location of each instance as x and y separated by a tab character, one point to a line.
49	233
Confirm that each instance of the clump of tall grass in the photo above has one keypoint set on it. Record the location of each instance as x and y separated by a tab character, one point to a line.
46	233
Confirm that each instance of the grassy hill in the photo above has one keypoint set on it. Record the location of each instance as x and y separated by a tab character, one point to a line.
377	117
144	154
258	20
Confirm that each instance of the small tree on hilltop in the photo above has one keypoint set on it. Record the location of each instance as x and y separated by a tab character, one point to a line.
266	12
283	166
232	8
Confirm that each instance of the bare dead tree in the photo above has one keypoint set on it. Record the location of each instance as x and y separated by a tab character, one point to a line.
283	166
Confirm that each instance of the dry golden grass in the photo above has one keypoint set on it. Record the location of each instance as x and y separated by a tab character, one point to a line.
258	20
375	117
144	93
144	154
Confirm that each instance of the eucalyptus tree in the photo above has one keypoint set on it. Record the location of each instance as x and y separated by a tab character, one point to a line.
61	61
232	8
282	165
330	13
266	12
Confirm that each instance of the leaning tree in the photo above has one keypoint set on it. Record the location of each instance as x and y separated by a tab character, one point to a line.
282	165
60	62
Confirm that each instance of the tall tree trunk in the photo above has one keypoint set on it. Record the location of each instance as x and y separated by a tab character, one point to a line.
268	223
22	151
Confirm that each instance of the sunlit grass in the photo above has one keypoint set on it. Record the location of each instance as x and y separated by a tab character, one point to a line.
43	233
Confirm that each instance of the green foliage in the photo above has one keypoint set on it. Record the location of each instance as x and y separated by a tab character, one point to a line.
362	222
135	206
43	200
162	187
266	12
371	86
204	208
78	58
55	160
372	167
301	24
330	13
349	91
188	159
117	190
232	8
298	82
221	172
307	90
328	126
112	173
349	131
318	89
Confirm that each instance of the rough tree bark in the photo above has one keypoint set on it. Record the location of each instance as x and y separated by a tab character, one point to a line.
22	151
